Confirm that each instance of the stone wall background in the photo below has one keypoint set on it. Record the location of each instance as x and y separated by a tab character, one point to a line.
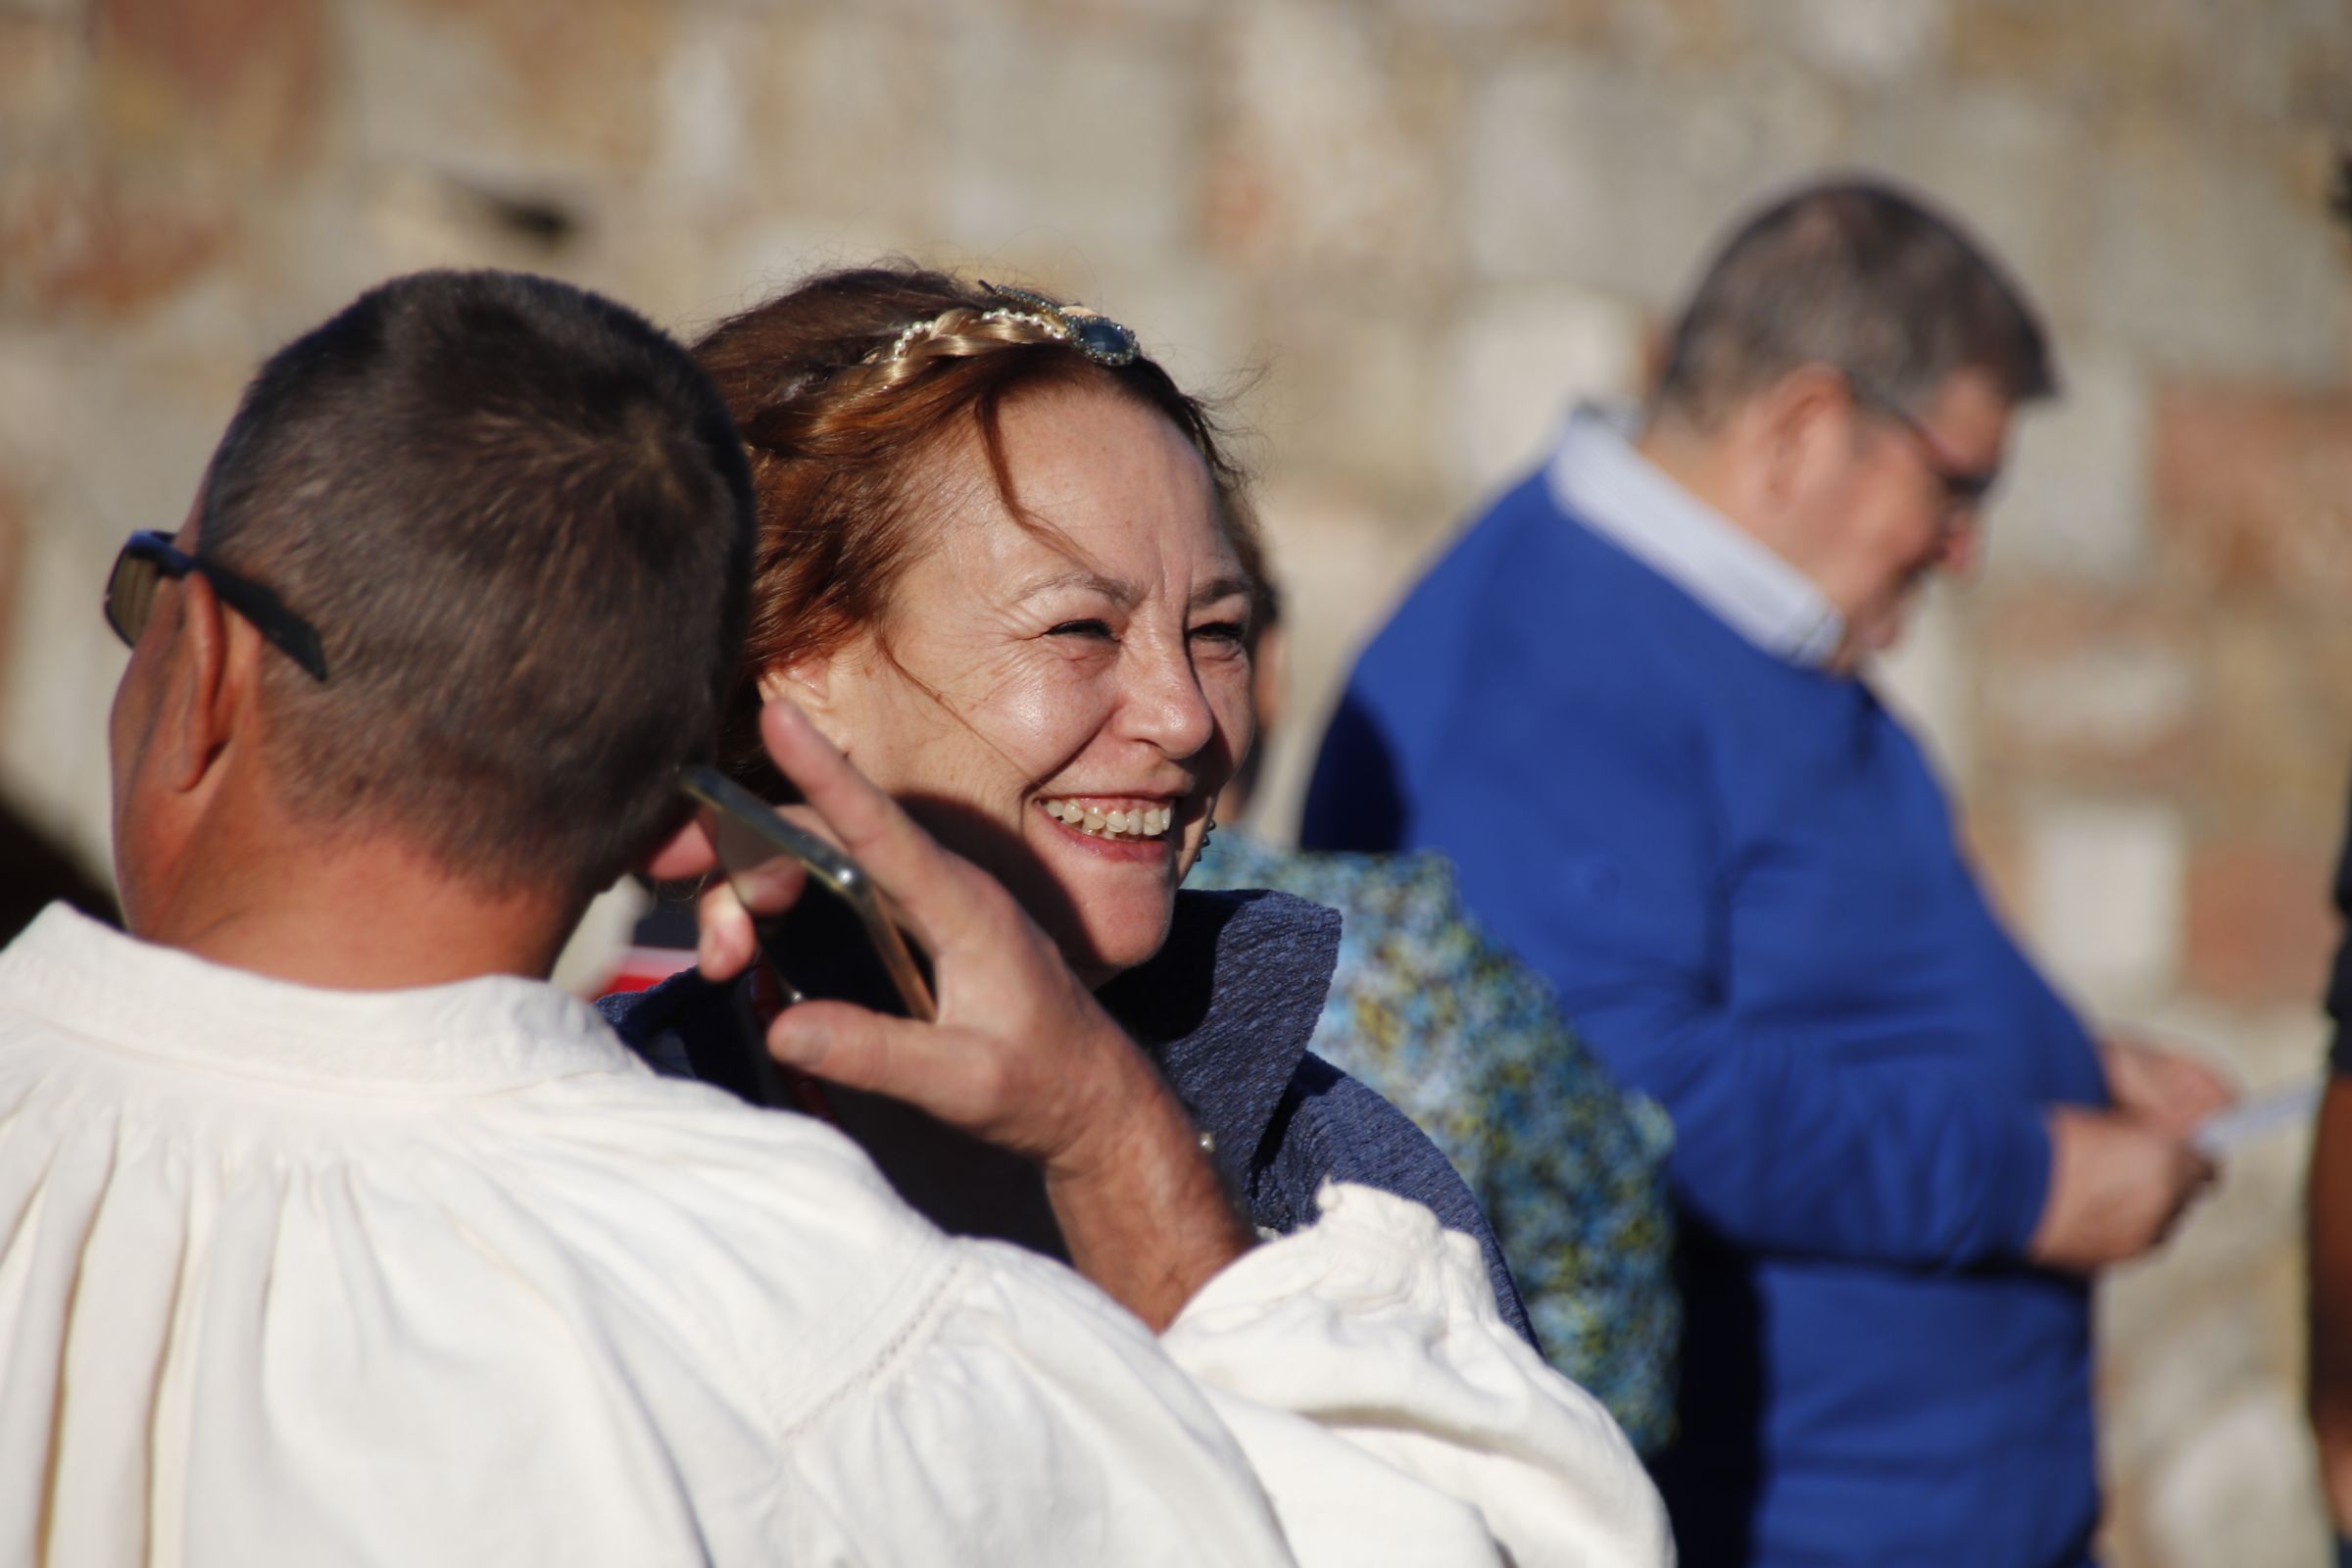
1425	224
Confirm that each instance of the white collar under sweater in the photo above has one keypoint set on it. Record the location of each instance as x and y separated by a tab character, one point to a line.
1596	474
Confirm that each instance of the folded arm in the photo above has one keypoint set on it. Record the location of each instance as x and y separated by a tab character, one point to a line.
1779	1142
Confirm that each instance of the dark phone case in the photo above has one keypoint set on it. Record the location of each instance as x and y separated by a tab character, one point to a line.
838	940
819	949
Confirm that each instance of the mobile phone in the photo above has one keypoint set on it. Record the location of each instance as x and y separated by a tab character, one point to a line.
838	941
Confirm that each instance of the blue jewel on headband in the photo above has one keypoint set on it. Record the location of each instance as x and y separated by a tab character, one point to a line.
1089	331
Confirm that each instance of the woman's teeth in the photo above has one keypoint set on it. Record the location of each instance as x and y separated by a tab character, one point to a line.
1142	822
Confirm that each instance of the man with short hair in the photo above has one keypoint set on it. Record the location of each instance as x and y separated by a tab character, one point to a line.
329	1232
1631	703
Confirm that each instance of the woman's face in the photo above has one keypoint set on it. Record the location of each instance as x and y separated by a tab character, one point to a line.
1063	715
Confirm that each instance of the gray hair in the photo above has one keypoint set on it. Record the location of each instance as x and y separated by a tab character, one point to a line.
1862	277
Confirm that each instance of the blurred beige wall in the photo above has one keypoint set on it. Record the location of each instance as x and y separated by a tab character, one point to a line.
1430	224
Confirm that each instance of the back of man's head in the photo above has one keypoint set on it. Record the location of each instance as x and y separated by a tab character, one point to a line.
1861	277
519	520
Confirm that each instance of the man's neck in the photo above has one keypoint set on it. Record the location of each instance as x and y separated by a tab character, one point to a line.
369	916
1704	471
1697	466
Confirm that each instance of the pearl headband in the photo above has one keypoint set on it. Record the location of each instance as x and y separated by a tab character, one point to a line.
1100	339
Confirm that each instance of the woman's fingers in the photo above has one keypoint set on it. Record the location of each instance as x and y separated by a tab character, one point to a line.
769	887
950	1073
724	941
726	911
686	853
940	895
1022	1056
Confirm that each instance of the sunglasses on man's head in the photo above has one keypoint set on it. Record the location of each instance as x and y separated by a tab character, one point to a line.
149	557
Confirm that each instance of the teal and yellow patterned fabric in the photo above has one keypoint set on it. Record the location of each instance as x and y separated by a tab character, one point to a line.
1469	1044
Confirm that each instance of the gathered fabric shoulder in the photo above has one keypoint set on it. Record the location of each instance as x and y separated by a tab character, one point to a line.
279	1316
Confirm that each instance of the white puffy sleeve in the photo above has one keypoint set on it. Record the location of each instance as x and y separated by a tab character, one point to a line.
1031	1420
1377	1327
1350	1389
220	1351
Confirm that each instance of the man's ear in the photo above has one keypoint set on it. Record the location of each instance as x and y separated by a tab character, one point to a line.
214	661
1808	414
1790	438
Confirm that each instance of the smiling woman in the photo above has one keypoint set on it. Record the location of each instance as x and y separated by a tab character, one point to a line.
1058	688
1005	565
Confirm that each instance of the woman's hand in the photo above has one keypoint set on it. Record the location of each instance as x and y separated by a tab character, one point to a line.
1022	1055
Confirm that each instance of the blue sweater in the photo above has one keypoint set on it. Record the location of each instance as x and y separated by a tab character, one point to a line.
1741	876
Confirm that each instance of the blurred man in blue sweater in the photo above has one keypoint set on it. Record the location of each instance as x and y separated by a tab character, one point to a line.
1631	704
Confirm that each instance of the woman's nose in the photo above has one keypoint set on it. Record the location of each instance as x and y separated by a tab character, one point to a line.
1165	703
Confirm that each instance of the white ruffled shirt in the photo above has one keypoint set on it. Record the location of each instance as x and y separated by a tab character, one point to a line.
304	1277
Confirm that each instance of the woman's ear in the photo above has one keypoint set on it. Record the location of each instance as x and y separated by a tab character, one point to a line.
813	683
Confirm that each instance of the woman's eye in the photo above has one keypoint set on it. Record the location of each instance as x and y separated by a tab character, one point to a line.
1223	631
1081	628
